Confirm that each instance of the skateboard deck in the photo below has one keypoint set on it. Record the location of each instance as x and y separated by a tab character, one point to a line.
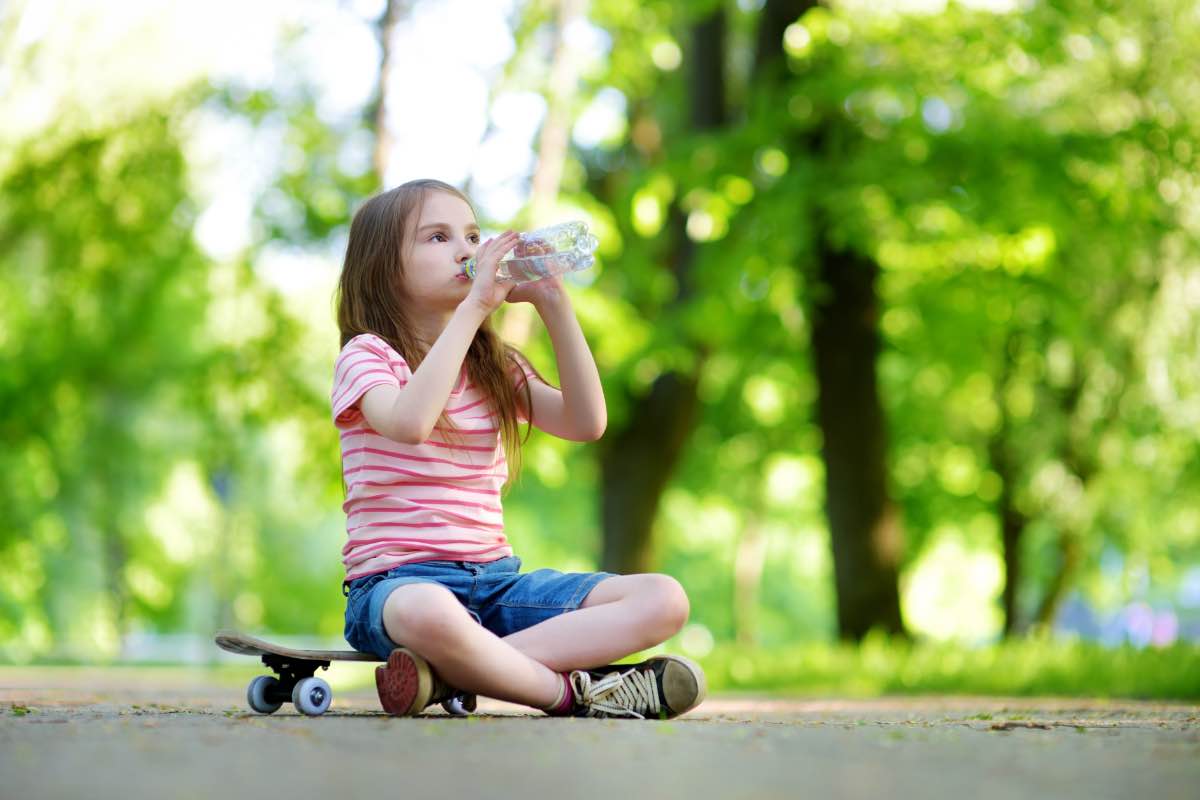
235	642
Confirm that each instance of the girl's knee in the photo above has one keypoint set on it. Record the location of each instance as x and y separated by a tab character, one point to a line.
668	605
417	615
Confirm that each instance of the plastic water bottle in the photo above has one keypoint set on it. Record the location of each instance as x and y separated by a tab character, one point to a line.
558	249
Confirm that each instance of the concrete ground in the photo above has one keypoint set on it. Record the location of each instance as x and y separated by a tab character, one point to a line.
72	732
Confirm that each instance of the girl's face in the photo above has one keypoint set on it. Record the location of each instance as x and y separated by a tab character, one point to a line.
442	237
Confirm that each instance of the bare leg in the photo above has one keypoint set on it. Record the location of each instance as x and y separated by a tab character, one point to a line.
429	620
622	615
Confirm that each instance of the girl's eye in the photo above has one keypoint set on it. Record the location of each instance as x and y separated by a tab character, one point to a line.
436	235
475	238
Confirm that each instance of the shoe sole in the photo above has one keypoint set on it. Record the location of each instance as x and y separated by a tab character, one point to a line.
683	685
404	683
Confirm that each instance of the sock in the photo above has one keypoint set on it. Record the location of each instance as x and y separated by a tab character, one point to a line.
565	702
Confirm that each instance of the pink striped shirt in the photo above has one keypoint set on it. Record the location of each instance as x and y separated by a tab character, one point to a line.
436	500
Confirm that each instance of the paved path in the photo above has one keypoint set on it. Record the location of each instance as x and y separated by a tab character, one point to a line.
119	734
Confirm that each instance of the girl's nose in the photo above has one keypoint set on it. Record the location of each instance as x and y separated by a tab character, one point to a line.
466	252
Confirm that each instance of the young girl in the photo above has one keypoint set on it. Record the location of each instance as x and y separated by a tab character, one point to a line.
428	400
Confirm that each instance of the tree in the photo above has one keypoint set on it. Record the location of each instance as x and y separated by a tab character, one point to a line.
909	170
111	379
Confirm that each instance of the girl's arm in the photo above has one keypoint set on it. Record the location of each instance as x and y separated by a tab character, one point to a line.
408	413
577	412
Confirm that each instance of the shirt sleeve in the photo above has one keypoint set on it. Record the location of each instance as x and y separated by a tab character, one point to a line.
365	362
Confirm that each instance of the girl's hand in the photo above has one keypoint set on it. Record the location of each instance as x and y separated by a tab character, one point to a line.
486	293
537	292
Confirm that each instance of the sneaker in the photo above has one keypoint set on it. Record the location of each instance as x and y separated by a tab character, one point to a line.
661	687
460	704
407	684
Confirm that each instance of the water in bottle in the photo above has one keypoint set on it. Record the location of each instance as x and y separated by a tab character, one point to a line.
558	249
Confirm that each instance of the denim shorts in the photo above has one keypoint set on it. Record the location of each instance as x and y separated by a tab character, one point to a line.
493	592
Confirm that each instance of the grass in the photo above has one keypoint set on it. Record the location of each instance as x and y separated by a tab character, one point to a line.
880	666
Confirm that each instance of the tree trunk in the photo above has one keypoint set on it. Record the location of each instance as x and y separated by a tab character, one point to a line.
773	22
385	30
116	559
516	325
555	134
1012	529
635	465
637	461
1084	467
1070	551
863	522
1012	520
747	578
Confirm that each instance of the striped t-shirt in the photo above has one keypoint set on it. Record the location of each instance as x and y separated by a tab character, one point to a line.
431	501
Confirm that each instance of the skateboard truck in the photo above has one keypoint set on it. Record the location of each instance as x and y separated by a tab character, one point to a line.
290	672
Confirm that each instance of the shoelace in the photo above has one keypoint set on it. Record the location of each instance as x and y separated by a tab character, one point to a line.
627	694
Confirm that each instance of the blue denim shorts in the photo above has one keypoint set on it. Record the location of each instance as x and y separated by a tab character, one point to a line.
493	592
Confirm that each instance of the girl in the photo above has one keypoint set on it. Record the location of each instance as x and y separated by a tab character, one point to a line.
427	400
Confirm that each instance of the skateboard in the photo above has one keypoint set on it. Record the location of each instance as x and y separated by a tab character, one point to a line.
295	680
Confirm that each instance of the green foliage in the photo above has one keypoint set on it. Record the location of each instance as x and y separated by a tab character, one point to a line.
1026	667
1025	181
102	289
1018	177
135	383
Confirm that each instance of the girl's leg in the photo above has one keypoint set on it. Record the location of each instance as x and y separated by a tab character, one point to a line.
429	620
622	615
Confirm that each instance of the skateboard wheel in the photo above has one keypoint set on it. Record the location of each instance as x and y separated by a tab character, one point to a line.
257	692
312	696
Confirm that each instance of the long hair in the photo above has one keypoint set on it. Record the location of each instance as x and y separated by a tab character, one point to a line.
370	299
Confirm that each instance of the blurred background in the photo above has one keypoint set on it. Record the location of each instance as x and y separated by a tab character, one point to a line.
895	307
